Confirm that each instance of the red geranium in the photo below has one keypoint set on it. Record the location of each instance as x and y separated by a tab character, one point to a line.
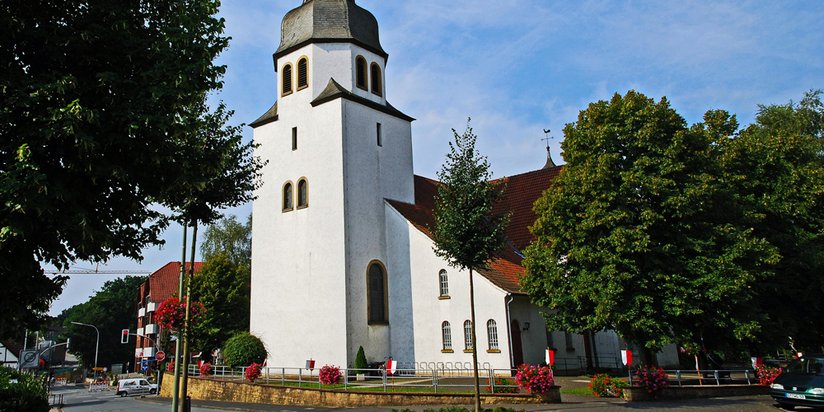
766	374
172	312
253	371
329	375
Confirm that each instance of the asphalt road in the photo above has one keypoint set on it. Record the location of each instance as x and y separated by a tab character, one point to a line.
78	399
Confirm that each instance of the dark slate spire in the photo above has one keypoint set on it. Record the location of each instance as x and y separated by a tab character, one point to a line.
329	21
549	163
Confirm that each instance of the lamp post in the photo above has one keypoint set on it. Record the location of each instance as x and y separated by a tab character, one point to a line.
96	345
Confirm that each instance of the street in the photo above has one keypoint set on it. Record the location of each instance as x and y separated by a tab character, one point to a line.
78	399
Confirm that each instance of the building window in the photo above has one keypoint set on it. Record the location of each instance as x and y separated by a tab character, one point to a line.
303	193
376	296
360	72
380	135
377	84
286	80
446	336
492	333
444	282
468	336
287	197
303	73
294	138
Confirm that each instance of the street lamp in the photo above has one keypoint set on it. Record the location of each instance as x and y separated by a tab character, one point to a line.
96	345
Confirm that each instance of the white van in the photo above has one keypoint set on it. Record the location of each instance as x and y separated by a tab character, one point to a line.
128	387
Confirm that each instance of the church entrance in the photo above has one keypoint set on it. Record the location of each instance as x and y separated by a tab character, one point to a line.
517	347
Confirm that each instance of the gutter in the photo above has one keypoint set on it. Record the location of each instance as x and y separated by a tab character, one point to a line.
510	298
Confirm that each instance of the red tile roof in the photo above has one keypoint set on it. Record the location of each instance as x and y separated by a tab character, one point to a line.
163	283
520	194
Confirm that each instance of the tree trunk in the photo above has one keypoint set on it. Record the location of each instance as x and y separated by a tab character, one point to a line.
186	325
176	384
648	357
474	344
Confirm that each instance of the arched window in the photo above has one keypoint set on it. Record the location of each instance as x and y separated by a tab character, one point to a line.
446	335
444	282
492	334
303	73
303	193
286	80
376	296
360	72
377	84
287	197
468	335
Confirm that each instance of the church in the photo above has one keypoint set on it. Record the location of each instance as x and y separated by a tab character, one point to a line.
342	253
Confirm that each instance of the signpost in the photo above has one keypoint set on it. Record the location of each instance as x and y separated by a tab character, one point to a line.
626	359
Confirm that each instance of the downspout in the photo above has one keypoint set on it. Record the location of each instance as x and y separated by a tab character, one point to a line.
510	298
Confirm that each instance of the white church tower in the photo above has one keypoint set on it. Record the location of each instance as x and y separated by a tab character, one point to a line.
336	150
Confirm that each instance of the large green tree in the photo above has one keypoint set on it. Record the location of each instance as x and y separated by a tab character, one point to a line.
777	168
639	233
102	115
110	309
466	232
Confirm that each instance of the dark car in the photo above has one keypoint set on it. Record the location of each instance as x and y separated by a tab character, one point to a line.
801	384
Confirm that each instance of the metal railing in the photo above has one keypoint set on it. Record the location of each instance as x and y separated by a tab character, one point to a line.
443	379
403	380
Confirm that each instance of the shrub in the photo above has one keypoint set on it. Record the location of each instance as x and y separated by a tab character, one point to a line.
653	379
534	379
329	375
503	385
252	372
21	392
205	369
244	349
360	361
604	386
766	375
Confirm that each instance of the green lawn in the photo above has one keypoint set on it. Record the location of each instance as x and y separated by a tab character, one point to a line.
579	391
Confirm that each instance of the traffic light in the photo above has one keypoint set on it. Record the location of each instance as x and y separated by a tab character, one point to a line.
124	336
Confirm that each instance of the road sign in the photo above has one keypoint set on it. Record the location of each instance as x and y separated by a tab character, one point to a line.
160	356
29	359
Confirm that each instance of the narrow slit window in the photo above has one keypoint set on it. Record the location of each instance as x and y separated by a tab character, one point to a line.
376	303
294	138
303	73
444	283
380	135
286	80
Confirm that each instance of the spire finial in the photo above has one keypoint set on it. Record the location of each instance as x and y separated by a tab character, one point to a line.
549	162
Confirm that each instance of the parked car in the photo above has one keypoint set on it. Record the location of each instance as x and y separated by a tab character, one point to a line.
135	386
801	383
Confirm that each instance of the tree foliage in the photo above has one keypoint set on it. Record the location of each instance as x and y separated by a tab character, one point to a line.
466	233
642	234
777	168
231	238
102	114
244	349
224	289
110	309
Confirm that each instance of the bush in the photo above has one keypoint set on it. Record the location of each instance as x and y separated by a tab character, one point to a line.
244	349
329	375
534	379
360	361
766	374
604	386
205	369
21	392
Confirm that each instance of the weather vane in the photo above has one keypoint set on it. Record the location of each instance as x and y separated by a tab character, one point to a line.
547	138
549	162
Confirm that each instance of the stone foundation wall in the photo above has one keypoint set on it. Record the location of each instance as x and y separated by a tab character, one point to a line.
694	391
217	390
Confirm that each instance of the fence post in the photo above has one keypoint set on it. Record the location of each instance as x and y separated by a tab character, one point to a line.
747	375
717	381
435	379
678	376
384	379
492	381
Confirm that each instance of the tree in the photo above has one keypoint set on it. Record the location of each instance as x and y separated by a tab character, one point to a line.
777	167
102	115
110	309
466	233
224	289
231	238
640	233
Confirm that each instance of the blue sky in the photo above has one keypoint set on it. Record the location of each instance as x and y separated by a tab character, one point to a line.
520	66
